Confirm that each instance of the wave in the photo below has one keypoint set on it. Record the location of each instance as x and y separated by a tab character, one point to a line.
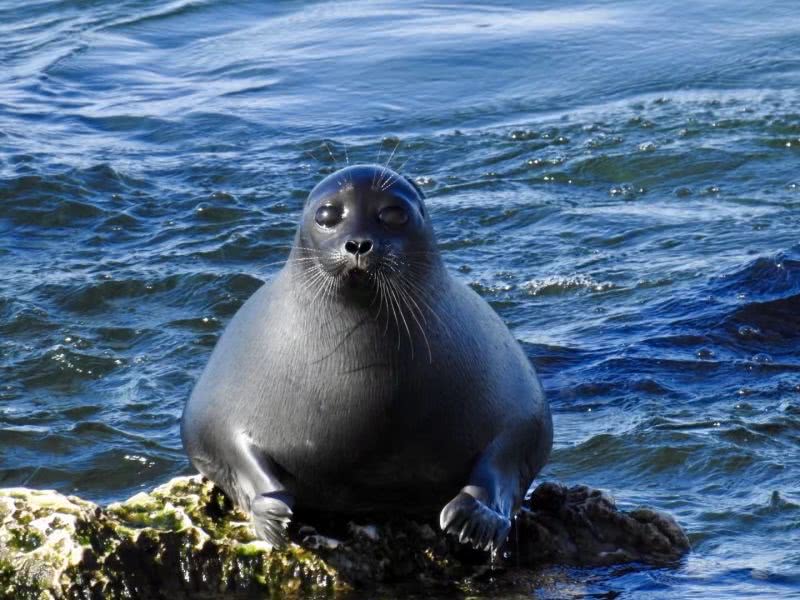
762	310
751	313
559	284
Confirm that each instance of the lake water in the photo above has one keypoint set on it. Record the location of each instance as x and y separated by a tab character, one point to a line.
620	180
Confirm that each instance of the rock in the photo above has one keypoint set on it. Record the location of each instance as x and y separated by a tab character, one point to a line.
185	538
582	526
181	539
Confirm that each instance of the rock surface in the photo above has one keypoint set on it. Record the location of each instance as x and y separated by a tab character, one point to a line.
185	539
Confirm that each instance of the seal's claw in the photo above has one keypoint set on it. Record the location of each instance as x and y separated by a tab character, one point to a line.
452	518
500	534
481	539
271	516
474	523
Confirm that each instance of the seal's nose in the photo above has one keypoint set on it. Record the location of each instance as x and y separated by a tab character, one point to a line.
358	247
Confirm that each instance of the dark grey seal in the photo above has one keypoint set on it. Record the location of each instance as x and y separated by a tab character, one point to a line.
366	379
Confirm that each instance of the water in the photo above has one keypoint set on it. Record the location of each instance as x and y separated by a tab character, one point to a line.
618	179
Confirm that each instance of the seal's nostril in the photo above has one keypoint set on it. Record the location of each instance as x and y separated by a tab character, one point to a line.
358	247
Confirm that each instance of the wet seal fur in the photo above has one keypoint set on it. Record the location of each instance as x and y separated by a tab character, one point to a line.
366	379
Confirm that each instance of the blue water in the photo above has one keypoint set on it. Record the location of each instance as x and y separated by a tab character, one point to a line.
620	180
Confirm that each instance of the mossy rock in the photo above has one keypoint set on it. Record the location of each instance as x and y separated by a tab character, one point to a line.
180	540
185	539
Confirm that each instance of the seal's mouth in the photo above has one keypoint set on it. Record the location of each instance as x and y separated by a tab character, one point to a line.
358	278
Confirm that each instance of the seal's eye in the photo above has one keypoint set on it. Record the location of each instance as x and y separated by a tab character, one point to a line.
393	216
328	215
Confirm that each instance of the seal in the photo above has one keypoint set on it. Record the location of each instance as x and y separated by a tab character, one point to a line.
365	378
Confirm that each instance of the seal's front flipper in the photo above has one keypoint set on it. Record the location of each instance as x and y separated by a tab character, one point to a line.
481	513
259	489
473	522
271	515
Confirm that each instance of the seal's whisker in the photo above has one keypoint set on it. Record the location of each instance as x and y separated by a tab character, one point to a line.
317	276
312	280
417	253
395	294
379	287
326	295
376	296
383	173
409	286
385	300
298	259
397	174
421	295
390	297
386	172
333	158
292	258
405	295
324	292
396	146
283	261
404	281
306	286
305	277
382	298
410	268
308	272
395	311
347	160
389	307
377	162
329	287
418	271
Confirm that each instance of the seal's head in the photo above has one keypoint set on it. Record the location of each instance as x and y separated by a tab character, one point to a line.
364	224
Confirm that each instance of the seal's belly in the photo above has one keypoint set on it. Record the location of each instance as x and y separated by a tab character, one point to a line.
405	478
377	457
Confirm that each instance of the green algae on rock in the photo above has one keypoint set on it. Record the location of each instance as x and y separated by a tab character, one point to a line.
177	541
185	539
